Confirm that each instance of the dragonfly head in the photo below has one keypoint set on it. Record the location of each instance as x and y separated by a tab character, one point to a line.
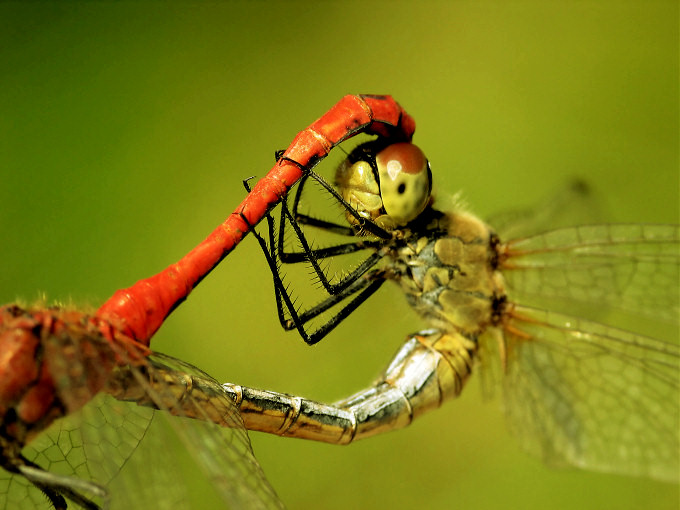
390	185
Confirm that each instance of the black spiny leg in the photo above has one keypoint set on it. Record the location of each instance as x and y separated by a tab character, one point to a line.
362	283
56	488
364	287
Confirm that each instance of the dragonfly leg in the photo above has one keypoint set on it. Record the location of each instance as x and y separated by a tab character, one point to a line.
311	255
55	487
430	368
362	288
294	219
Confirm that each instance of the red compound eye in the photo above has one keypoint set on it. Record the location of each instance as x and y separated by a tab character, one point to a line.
402	157
405	181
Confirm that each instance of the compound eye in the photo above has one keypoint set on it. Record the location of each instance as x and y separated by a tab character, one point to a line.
405	181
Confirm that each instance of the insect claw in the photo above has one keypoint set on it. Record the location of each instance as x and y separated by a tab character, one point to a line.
245	183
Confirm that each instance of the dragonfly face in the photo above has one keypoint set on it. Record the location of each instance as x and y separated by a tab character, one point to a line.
389	186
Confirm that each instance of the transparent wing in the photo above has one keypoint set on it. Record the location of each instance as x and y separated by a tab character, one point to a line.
579	393
117	445
583	270
573	203
92	442
98	444
210	426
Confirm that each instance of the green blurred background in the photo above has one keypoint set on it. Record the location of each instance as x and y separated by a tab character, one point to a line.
126	129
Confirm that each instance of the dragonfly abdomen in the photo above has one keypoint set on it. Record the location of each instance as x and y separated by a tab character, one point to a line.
430	368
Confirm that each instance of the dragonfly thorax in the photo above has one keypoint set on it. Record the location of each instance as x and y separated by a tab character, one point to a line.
448	275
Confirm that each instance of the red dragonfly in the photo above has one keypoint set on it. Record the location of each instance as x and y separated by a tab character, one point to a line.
57	363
